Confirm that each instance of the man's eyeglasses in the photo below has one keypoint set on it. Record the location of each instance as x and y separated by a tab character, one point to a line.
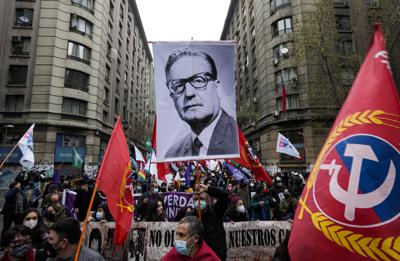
198	81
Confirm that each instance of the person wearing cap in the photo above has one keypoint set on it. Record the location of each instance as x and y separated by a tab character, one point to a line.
236	212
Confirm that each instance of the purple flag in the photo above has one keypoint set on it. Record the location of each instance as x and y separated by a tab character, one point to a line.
56	178
68	201
235	172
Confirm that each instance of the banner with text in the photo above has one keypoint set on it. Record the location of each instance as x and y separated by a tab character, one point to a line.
252	240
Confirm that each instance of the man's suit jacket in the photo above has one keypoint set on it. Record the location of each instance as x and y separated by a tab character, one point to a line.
224	140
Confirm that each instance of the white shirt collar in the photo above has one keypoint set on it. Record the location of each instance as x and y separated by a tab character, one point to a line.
205	135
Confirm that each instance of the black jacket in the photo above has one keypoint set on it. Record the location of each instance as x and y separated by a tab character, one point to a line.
213	222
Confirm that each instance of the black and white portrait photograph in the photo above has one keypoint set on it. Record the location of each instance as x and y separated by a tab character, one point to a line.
195	100
136	248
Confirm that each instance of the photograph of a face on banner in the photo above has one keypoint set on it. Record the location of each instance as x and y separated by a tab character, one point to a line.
195	100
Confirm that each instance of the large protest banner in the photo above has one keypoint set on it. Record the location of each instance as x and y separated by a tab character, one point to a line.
252	240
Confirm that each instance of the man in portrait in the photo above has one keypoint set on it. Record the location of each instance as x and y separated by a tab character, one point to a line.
194	87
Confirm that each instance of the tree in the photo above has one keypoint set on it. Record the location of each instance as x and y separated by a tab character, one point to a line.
329	54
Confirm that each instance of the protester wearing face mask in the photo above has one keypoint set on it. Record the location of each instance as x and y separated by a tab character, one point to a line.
189	243
149	196
243	191
63	242
17	245
237	211
102	214
32	219
213	203
261	205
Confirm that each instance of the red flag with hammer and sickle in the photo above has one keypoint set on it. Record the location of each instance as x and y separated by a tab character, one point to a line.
349	209
114	180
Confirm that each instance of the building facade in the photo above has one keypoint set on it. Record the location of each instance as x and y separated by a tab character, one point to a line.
276	49
71	67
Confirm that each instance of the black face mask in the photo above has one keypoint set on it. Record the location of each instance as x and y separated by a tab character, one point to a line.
49	250
163	189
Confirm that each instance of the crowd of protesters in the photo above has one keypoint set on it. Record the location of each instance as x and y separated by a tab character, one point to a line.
36	224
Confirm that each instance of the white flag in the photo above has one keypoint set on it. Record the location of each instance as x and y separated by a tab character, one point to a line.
151	167
138	155
25	144
283	145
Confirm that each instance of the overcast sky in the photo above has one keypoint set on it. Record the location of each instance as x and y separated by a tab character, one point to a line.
182	20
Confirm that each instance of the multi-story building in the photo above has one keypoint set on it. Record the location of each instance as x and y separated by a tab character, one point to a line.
71	67
274	50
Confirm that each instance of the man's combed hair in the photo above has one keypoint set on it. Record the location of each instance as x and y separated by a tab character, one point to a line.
175	56
194	226
68	228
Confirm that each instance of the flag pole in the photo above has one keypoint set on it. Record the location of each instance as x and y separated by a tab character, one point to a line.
78	250
9	154
198	183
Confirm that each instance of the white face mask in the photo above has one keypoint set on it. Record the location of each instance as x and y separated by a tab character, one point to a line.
241	209
30	223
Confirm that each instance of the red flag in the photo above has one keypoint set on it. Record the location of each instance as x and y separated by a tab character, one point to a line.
349	209
283	97
114	180
162	168
249	160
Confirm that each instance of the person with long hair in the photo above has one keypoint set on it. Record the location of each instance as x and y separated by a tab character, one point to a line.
32	219
155	211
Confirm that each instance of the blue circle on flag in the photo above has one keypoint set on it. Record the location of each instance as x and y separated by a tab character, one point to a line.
374	173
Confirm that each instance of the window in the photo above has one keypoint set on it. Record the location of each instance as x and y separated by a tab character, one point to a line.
344	46
81	25
286	76
119	66
108	55
106	95
86	4
343	23
24	17
21	45
70	140
74	106
119	48
78	52
276	4
116	104
282	26
108	73
17	74
105	116
110	28
281	52
111	11
76	80
126	78
14	103
118	86
292	102
120	29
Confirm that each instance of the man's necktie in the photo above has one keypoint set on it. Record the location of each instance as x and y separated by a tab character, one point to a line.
196	146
